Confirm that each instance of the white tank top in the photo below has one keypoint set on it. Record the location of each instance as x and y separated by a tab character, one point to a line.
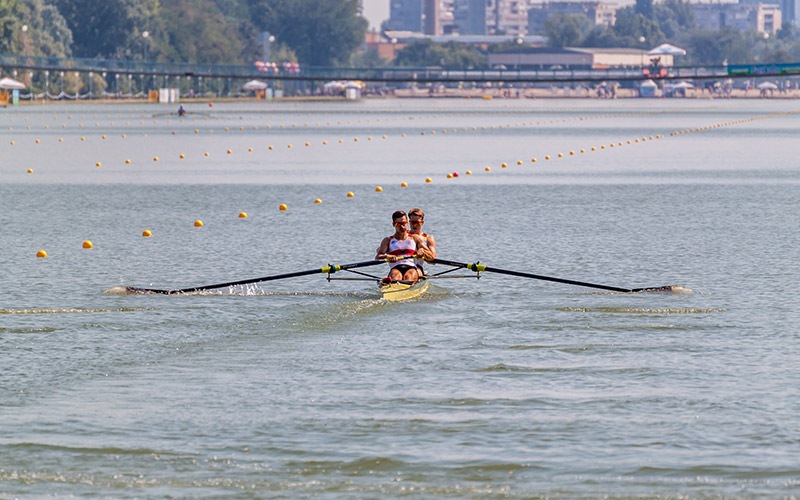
400	248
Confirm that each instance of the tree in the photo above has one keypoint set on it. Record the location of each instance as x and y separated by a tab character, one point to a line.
320	32
199	33
566	30
716	47
631	26
645	8
448	55
46	34
109	28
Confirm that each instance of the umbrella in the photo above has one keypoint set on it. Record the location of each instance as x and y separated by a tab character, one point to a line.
767	85
333	84
666	48
255	85
11	84
352	85
683	85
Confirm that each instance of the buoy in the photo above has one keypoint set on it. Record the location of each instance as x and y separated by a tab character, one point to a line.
468	172
229	151
455	174
181	156
155	158
324	142
30	170
82	138
12	143
196	131
127	162
104	137
560	155
249	150
355	139
146	233
403	184
519	162
317	201
308	144
533	160
428	180
198	223
270	148
378	189
282	207
351	195
289	146
242	215
87	244
207	154
504	165
449	176
210	104
488	169
547	157
572	152
98	164
60	139
594	149
41	254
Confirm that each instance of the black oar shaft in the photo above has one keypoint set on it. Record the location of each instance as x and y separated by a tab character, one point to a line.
325	270
479	267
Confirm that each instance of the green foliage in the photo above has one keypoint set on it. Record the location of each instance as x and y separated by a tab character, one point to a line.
198	32
631	26
447	55
109	28
717	47
566	30
48	34
10	33
644	7
367	59
320	32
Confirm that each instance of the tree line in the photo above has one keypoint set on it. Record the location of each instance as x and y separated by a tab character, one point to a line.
316	32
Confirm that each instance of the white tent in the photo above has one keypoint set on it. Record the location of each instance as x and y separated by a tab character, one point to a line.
11	84
255	85
767	86
681	85
666	48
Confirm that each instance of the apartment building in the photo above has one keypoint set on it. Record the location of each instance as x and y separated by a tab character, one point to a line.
760	17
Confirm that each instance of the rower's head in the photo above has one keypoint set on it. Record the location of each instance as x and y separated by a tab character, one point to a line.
399	219
416	217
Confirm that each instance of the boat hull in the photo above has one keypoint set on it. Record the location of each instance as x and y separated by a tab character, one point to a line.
396	291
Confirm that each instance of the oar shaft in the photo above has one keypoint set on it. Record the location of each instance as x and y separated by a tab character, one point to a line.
324	270
479	267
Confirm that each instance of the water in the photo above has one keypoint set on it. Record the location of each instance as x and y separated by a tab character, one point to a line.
501	387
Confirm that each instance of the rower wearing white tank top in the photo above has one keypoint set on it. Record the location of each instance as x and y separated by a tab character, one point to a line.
399	245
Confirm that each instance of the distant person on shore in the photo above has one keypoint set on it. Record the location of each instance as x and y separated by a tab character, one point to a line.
181	111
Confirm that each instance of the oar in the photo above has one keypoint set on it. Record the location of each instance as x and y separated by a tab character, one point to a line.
479	267
325	270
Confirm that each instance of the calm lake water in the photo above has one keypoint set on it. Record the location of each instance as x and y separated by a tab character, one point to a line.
501	387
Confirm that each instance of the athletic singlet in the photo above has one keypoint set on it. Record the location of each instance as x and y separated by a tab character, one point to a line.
400	248
417	262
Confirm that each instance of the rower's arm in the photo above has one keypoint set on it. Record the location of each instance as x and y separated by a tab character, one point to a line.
431	246
422	247
383	250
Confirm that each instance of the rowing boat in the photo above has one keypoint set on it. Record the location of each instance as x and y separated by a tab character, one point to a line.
400	290
403	290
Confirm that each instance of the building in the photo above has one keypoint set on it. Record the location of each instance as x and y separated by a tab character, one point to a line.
415	15
596	12
760	17
790	11
575	58
506	17
469	16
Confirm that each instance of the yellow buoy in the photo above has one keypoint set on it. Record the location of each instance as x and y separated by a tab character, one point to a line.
350	195
355	139
30	170
403	184
249	150
428	180
378	189
198	223
41	253
127	162
155	158
181	156
87	244
146	233
317	201
560	155
242	215
504	165
229	151
60	139
98	164
449	176
547	157
468	172
533	160
519	162
324	142
282	207
308	144
37	141
289	146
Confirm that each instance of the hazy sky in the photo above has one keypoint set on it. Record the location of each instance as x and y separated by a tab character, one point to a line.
376	11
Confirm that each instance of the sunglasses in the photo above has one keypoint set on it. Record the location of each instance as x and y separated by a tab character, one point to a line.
401	223
416	221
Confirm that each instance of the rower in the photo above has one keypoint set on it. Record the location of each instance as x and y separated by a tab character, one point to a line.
401	244
416	218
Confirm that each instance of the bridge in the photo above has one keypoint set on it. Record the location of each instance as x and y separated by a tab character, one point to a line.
224	79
